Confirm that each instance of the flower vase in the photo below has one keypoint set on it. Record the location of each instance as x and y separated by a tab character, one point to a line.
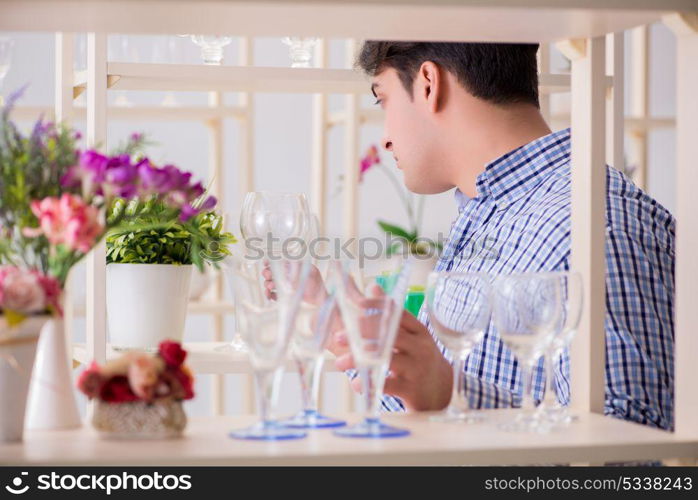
17	353
52	404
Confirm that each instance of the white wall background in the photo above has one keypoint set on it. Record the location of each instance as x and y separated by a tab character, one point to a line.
283	153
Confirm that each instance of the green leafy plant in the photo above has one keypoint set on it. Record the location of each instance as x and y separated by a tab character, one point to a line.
153	234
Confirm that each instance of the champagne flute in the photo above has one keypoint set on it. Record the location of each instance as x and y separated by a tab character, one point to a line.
267	325
275	219
372	326
526	310
572	289
459	307
316	317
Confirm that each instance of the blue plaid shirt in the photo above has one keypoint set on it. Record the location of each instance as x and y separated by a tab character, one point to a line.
520	222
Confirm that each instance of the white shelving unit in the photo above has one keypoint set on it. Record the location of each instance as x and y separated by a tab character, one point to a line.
581	29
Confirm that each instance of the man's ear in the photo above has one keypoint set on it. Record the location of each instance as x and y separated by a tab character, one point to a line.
429	85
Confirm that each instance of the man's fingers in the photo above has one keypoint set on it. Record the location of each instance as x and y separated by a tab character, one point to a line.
345	362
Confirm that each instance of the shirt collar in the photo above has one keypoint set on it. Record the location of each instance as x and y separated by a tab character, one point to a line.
515	173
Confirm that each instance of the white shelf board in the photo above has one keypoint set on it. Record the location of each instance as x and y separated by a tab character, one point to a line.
203	358
594	438
447	20
194	307
199	77
154	113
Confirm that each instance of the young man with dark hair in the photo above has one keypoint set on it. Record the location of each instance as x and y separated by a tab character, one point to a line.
466	115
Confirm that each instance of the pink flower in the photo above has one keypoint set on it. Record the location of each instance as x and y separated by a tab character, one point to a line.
143	374
67	220
370	159
52	290
21	291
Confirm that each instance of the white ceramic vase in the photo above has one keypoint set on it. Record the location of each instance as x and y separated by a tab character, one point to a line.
17	354
146	304
52	404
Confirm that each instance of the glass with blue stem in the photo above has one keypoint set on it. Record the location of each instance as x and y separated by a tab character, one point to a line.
372	325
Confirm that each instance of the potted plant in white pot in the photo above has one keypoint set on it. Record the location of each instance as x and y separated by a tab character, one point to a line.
53	200
149	269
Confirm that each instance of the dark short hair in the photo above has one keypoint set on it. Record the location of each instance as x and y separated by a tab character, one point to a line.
501	73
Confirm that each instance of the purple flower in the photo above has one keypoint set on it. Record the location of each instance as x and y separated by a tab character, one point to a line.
187	212
208	204
94	164
120	173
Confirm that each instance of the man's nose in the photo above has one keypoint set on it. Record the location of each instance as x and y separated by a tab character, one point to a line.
387	144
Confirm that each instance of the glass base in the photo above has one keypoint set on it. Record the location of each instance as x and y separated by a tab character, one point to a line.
458	416
526	422
267	431
371	428
235	345
557	417
312	419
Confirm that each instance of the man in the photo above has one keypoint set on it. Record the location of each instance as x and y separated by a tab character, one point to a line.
466	115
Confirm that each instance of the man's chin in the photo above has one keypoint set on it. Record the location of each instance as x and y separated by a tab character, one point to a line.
425	188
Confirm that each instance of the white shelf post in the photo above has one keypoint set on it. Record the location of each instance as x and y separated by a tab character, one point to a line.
639	103
246	179
64	52
588	223
217	176
96	311
615	151
318	177
685	26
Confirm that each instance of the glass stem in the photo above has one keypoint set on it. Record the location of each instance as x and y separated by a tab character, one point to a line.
549	397
266	382
459	401
527	404
371	385
310	371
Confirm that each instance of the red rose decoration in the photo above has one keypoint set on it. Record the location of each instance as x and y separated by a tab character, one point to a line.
91	381
172	353
117	390
187	382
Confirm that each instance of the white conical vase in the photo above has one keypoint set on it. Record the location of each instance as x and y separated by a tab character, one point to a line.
52	403
17	352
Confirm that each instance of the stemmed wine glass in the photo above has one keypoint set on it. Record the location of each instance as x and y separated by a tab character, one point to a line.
572	289
267	324
526	310
316	317
459	307
271	222
372	325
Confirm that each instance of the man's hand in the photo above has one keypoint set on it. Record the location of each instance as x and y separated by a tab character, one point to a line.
419	374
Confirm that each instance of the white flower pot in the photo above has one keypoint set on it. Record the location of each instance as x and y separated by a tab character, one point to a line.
17	353
146	304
